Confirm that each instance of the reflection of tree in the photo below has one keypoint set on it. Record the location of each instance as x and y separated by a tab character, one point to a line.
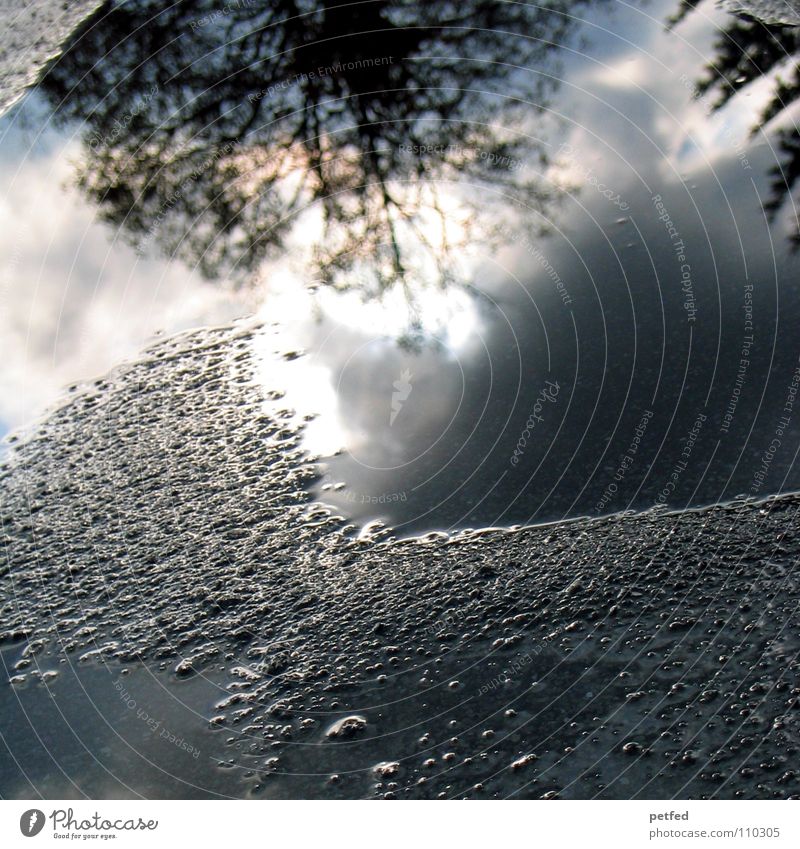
213	129
684	7
745	51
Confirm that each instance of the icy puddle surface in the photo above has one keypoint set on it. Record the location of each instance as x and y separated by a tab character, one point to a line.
202	628
31	37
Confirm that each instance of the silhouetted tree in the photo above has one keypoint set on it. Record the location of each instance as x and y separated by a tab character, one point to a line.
684	8
745	51
212	130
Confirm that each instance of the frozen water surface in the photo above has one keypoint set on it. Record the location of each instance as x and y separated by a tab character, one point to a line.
768	11
159	540
31	37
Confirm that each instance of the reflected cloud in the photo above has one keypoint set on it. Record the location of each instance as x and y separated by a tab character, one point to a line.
451	317
75	301
321	364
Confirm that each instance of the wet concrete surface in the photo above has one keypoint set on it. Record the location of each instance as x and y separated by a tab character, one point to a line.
158	523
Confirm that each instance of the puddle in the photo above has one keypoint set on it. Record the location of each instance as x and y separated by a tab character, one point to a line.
627	261
290	346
